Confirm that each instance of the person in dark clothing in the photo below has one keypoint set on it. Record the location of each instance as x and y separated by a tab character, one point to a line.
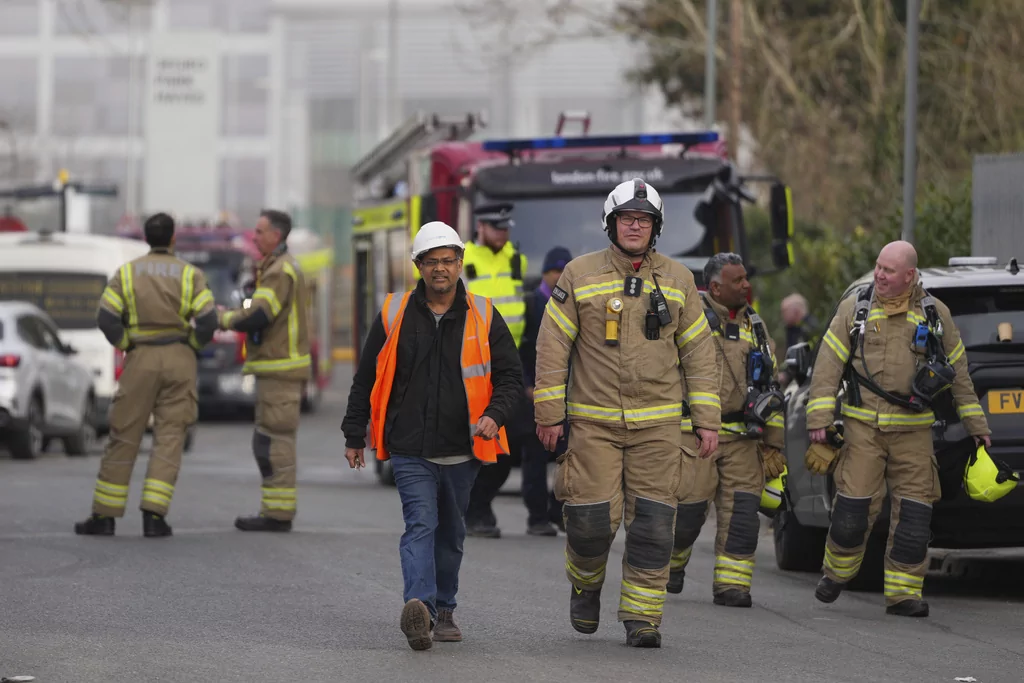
436	399
545	511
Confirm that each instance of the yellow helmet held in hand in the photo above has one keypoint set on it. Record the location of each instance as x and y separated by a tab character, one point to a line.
986	479
771	496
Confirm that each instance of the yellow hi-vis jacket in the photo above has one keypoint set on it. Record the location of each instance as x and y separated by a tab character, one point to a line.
490	274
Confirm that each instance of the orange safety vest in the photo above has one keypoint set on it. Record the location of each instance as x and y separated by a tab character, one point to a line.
476	373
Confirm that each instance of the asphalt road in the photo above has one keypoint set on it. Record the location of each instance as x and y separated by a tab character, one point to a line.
322	603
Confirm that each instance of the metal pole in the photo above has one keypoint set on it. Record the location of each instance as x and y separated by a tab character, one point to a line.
910	123
709	67
393	114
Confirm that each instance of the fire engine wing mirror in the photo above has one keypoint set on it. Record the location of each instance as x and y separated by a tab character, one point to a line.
798	361
781	209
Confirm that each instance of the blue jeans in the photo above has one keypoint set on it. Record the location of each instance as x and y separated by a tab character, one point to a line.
434	499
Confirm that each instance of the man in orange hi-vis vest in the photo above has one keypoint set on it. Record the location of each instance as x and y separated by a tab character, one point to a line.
438	377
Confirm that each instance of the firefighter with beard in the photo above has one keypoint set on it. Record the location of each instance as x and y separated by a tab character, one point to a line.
629	323
750	441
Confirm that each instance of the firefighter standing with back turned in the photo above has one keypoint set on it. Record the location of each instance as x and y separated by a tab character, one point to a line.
899	352
145	311
626	318
750	440
494	268
277	345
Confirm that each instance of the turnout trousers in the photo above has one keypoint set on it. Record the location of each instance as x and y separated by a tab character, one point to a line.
278	408
733	478
608	475
158	381
870	460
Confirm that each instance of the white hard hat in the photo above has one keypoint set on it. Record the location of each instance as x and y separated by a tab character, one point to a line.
435	235
635	195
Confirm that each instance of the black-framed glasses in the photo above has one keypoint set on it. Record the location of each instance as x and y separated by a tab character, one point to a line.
644	221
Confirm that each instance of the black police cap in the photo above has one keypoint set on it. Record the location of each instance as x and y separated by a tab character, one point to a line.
497	214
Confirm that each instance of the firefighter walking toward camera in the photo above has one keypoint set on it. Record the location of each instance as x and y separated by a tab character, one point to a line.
146	311
899	353
277	346
750	440
630	324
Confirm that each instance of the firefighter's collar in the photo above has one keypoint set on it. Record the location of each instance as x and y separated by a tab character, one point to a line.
726	313
626	262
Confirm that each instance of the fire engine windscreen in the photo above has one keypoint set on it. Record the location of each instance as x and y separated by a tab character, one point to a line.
575	223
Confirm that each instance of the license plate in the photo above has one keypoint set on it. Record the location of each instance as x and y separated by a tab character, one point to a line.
1006	401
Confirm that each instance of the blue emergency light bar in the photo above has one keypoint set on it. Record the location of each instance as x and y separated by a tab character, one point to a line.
686	139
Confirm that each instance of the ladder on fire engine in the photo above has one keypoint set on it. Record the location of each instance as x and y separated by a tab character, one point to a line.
419	131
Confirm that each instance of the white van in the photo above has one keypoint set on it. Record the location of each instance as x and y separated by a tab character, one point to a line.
65	274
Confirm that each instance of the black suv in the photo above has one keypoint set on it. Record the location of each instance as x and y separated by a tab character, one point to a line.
981	296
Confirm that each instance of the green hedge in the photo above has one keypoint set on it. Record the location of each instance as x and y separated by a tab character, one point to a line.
827	262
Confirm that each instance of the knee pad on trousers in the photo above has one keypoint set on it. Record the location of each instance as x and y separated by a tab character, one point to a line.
849	521
589	528
910	540
744	524
649	541
689	520
261	451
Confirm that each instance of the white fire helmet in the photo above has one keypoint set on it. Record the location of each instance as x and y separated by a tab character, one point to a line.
435	235
633	195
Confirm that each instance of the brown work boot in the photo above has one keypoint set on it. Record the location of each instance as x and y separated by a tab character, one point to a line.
96	525
416	625
446	630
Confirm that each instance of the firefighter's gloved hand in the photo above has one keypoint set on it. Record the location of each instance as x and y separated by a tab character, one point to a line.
819	458
773	460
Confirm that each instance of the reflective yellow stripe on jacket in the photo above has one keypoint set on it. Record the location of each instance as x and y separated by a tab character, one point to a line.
295	360
494	281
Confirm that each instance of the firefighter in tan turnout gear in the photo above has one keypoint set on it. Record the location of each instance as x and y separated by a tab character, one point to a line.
277	348
145	311
750	441
899	352
629	322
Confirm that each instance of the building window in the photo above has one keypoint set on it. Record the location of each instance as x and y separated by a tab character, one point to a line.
91	95
18	88
244	82
243	187
91	17
19	17
229	16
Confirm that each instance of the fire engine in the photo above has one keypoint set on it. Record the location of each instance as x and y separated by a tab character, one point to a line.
228	258
429	170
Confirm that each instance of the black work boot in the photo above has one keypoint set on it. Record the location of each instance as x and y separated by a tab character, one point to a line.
828	590
154	525
542	529
584	609
96	525
908	608
483	530
642	634
675	581
733	597
446	630
261	523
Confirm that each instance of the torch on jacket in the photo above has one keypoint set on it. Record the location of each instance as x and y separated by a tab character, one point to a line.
892	362
276	322
636	383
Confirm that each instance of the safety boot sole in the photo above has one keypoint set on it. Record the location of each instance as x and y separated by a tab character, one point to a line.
415	625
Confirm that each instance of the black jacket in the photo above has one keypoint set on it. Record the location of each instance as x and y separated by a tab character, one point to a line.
428	414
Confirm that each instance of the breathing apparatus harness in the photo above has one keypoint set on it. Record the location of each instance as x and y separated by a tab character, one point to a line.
764	396
933	378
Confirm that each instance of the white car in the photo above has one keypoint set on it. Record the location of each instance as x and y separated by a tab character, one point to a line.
45	393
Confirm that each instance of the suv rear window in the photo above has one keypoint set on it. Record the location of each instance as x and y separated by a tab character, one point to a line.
70	299
978	311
